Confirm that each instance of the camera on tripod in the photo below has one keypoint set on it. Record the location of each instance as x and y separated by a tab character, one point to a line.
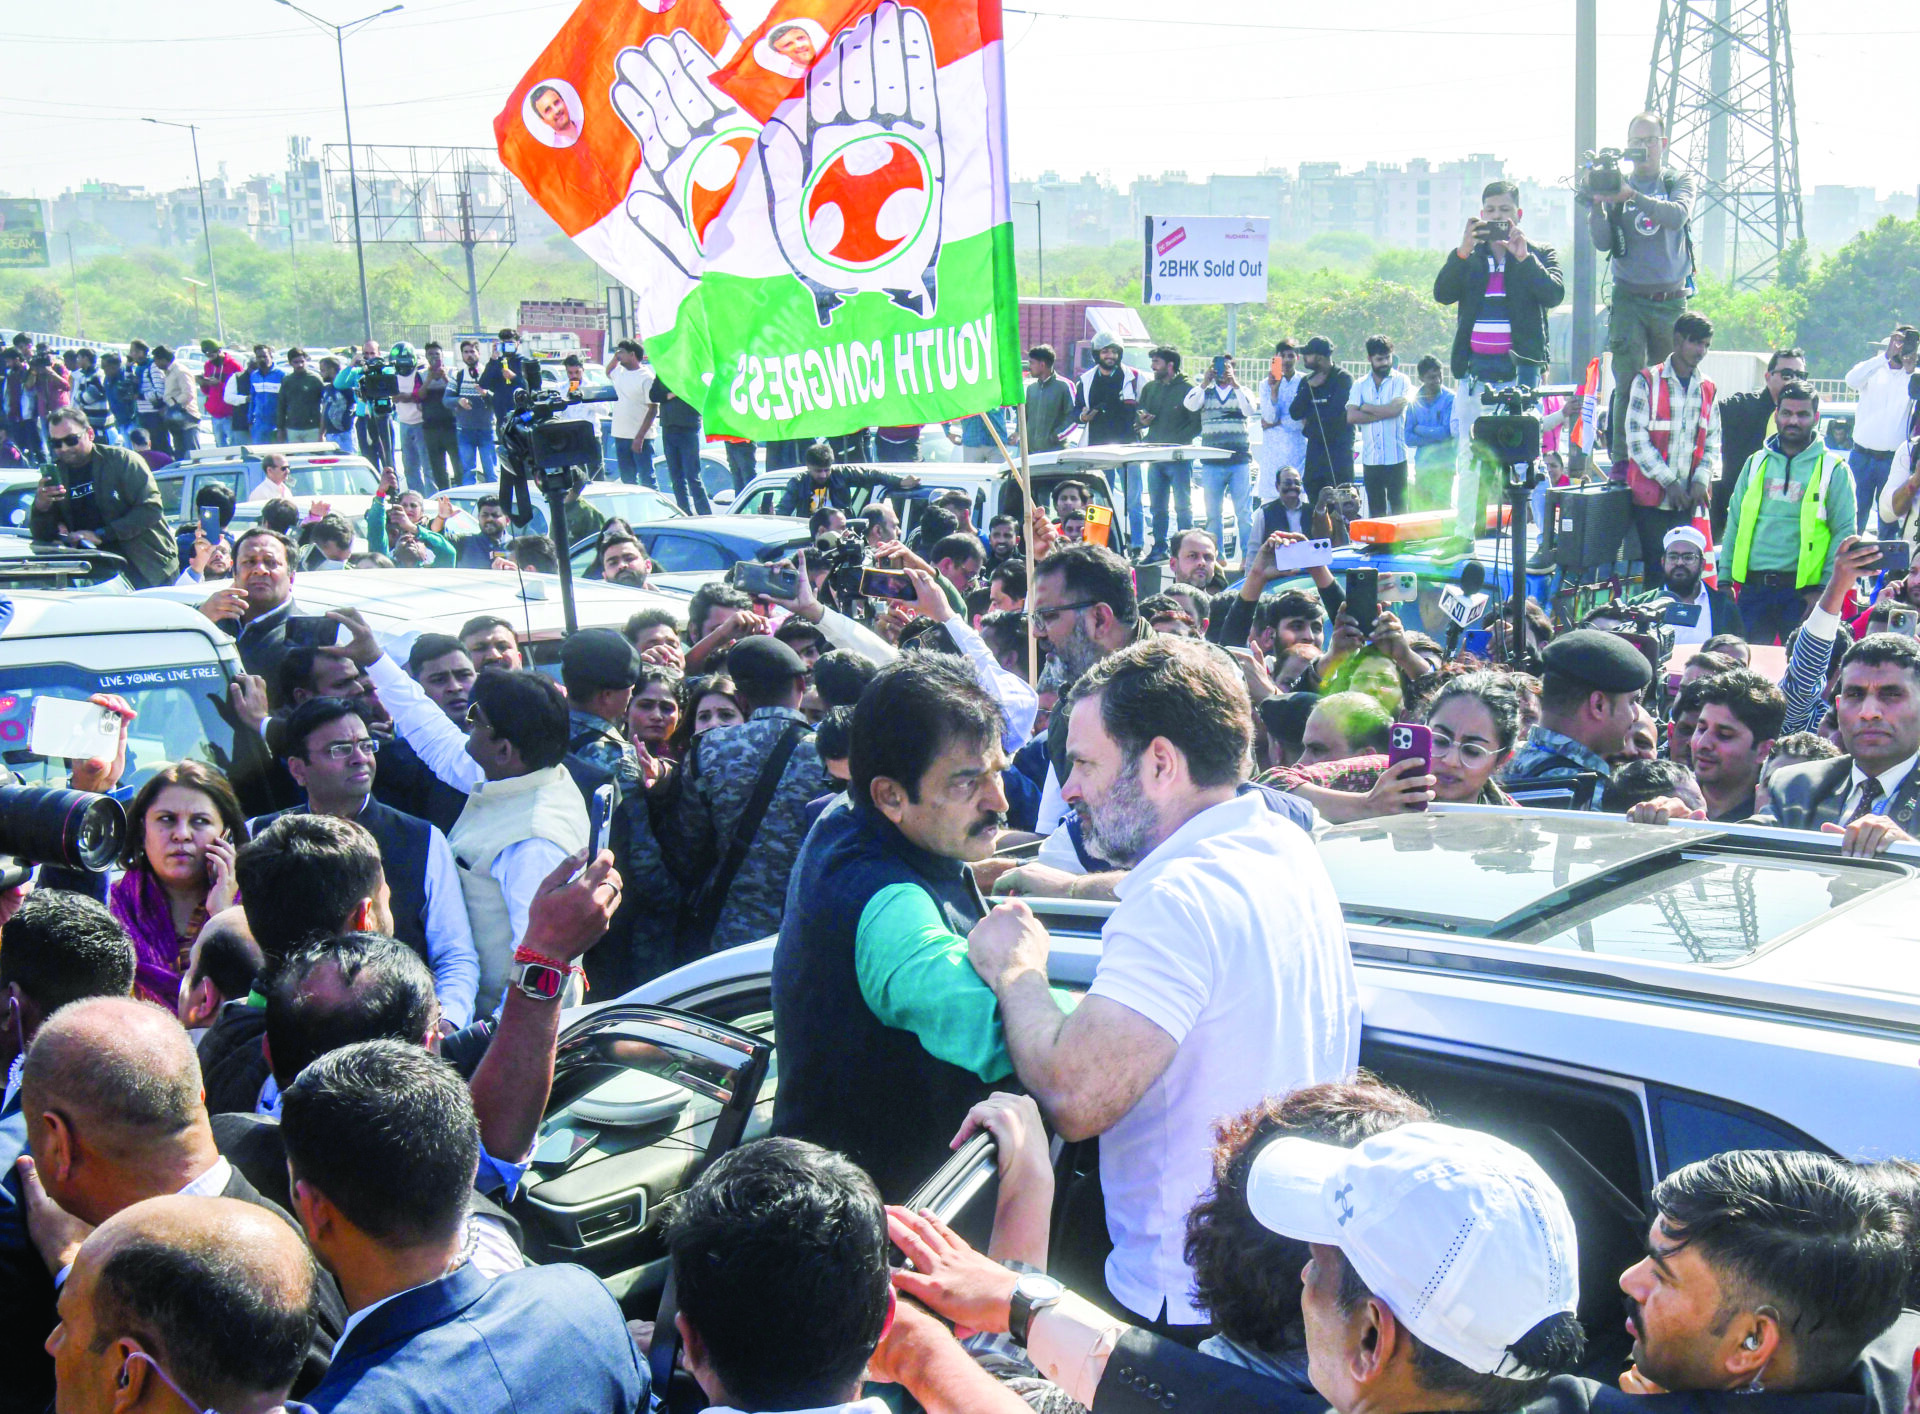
380	385
536	444
1600	173
844	561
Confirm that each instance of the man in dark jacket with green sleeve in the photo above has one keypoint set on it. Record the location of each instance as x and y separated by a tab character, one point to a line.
887	1035
106	498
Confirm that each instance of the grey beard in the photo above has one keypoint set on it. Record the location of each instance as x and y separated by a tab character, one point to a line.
1122	830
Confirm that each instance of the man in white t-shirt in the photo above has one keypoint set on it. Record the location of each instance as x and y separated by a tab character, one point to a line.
1224	972
1378	407
632	379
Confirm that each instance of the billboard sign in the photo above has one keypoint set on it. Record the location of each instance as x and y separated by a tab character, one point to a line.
1205	260
23	233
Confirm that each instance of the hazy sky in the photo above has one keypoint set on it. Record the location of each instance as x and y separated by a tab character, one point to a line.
1110	86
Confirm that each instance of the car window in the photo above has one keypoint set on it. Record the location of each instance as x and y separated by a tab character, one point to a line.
1584	883
172	488
757	503
179	716
16	502
1689	1127
635	507
332	479
233	480
669	551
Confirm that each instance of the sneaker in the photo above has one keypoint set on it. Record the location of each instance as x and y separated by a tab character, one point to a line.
1547	557
1158	557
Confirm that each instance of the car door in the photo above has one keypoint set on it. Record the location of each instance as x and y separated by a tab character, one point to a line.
677	551
644	1097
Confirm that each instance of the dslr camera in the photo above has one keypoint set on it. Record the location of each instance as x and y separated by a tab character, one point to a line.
1600	173
70	829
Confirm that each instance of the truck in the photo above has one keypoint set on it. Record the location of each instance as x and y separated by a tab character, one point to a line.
1071	325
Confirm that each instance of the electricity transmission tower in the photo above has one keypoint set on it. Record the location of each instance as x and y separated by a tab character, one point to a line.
1722	77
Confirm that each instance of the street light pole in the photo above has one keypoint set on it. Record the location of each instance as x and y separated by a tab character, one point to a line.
73	273
339	33
1039	244
206	229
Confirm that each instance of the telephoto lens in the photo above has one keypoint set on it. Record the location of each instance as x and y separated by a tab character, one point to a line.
73	829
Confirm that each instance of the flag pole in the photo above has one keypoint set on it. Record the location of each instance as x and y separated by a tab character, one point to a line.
1020	476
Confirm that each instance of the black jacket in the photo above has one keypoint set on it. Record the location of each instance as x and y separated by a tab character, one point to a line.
1743	431
1534	286
797	500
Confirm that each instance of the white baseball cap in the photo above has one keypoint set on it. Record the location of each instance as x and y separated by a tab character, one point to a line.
1463	1236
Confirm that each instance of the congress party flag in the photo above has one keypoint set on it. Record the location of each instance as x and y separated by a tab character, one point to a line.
808	199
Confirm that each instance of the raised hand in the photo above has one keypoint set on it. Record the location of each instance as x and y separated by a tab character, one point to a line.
867	133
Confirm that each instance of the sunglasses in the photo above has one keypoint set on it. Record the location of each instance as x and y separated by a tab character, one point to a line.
75	440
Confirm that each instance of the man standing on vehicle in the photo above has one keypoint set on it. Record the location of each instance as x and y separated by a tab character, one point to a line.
327	749
871	993
1791	507
1050	410
1165	420
495	536
679	444
1673	439
502	375
822	484
1193	1013
1589	691
1746	421
436	420
1871	795
632	379
1642	226
1379	410
409	413
467	398
104	498
1884	420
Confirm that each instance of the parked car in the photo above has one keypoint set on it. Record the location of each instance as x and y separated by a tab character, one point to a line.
402	604
314	469
17	488
1619	1000
167	660
698	549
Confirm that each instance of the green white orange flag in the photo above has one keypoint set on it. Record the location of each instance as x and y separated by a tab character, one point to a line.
808	199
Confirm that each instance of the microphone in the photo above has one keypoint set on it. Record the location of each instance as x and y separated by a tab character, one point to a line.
1473	577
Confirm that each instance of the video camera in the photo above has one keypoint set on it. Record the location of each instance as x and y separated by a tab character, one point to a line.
1513	433
843	563
1600	173
379	385
70	829
537	445
1648	626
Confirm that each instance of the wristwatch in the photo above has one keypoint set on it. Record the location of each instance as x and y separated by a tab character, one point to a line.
1033	1292
542	981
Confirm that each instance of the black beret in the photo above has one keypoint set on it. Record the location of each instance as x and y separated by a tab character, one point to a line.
761	660
1606	662
600	658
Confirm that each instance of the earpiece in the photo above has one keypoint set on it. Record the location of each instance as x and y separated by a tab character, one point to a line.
1752	1342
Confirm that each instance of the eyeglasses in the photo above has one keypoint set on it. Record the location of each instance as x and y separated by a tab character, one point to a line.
361	746
1472	754
1683	557
477	718
75	440
1045	617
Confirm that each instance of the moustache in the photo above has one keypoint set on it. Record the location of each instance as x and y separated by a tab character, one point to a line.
987	824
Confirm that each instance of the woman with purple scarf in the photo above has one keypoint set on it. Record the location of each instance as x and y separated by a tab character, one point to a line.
182	831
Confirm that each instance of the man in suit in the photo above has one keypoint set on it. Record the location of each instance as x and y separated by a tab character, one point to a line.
1871	795
112	1096
1683	578
382	1145
134	1313
327	749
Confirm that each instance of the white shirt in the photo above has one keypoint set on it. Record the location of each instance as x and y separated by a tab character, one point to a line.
1019	703
633	385
1880	422
1889	783
875	1405
519	868
268	490
209	1185
1702	629
1382	443
404	408
1283	444
1227	937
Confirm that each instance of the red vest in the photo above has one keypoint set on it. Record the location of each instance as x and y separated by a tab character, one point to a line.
1646	491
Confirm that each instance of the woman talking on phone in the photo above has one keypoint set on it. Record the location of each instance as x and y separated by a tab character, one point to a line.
183	829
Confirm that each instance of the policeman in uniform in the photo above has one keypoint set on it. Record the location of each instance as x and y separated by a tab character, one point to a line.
1590	685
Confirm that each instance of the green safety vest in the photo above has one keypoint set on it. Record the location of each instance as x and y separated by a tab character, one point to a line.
1815	536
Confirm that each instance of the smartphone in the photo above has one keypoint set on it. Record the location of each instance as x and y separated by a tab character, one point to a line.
1477	641
1303	554
1904	622
1681	615
1363	598
1896	556
1409	741
766	581
1099	526
65	729
210	524
1219	365
889	584
1399	587
1497	230
600	819
312	631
